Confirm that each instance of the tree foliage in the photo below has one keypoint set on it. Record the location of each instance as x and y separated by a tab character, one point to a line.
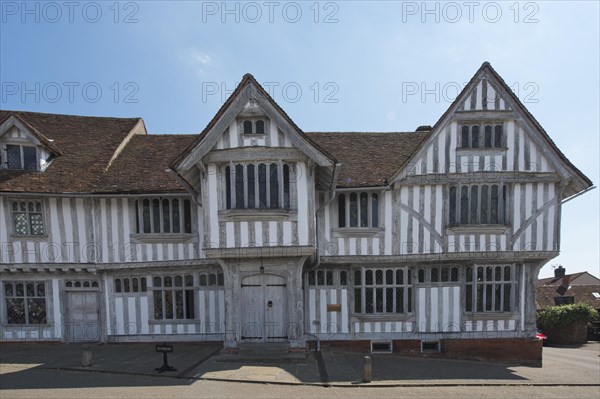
566	314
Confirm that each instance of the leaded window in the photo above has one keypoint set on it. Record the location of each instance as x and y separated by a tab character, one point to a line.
173	297
444	274
253	126
28	217
380	291
358	209
490	288
130	284
482	136
257	186
163	215
20	157
212	280
477	204
25	302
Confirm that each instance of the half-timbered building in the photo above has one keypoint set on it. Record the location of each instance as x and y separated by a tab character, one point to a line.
254	230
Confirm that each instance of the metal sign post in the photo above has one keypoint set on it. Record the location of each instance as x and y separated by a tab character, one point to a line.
164	349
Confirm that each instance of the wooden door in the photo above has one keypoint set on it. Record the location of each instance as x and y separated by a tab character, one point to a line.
263	308
82	321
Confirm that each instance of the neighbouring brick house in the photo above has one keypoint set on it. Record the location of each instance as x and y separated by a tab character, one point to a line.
255	231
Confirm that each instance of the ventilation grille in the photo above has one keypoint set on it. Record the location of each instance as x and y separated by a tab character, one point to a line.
430	346
381	346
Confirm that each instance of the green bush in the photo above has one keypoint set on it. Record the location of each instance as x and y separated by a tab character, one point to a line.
566	314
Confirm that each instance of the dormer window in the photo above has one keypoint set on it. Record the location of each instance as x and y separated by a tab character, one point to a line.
481	136
20	157
254	126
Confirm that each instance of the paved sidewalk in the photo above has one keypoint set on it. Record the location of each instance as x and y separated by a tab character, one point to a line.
193	361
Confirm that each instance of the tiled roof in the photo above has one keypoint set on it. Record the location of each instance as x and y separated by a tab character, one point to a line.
368	159
567	279
141	166
86	143
582	294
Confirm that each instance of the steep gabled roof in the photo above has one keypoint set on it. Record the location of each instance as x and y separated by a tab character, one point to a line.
247	89
86	144
569	279
368	159
582	182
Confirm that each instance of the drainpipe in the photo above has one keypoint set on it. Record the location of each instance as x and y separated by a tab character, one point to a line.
336	170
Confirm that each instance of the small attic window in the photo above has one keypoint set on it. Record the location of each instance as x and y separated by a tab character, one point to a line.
254	126
247	127
20	157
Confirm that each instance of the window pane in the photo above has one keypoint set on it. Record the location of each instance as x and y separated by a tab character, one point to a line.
30	289
454	274
176	217
452	206
498	273
286	186
260	127
369	300
126	287
203	280
157	282
353	210
434	275
342	210
399	276
187	216
250	171
485	215
135	285
498	136
20	223
15	309
389	277
37	225
262	185
156	215
189	304
143	281
474	204
488	297
13	155
117	285
421	276
465	137
212	280
368	277
469	275
357	277
480	297
379	277
389	300
475	137
374	210
169	302
227	187
507	276
469	298
409	301
507	297
178	281
239	186
379	299
343	278
274	181
37	310
166	216
364	210
146	215
189	280
247	127
498	298
400	300
357	300
168	281
179	304
158	314
488	137
329	275
8	289
30	158
320	277
464	205
445	275
494	205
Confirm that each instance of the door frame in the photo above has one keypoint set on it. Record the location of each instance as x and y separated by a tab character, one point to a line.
263	286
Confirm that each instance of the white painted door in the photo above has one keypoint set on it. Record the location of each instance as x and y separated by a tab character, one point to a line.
263	308
82	321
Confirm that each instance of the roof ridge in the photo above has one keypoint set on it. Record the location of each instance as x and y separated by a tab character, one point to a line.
68	115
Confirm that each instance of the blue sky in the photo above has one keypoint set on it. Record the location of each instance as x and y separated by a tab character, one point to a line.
333	66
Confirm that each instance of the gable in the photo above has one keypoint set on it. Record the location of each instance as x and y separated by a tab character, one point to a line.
486	106
223	130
